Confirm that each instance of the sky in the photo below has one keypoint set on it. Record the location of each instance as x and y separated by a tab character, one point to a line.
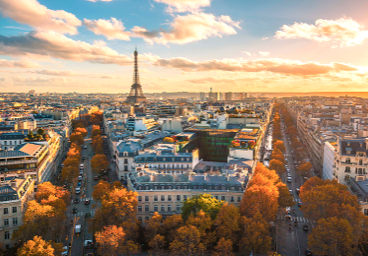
87	46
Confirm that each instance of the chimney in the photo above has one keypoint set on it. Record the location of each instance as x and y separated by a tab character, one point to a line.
205	176
366	143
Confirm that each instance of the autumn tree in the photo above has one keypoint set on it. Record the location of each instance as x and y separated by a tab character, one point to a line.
100	190
223	248
112	241
187	242
83	131
260	199
157	244
269	174
47	189
255	235
168	140
36	247
285	199
170	226
205	202
278	155
279	145
227	222
118	207
69	173
76	137
99	162
305	169
332	236
278	166
203	222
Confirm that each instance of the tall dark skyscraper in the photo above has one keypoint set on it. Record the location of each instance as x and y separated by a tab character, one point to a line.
136	93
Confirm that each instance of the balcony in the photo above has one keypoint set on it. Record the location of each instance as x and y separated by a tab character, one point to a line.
33	161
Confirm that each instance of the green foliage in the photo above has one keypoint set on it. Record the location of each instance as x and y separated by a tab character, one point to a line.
204	202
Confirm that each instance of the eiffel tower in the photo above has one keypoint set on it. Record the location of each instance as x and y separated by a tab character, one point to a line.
136	94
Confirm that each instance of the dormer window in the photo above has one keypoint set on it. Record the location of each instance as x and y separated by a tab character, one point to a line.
347	160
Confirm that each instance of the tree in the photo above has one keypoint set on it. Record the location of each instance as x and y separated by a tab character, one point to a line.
157	244
36	247
269	174
153	227
260	199
100	190
228	222
187	242
47	189
41	132
30	135
76	137
285	199
255	235
332	236
224	248
170	226
169	140
278	166
112	241
279	145
205	202
203	222
305	169
83	131
277	154
69	173
99	162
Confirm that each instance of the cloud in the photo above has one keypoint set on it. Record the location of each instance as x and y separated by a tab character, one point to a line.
190	28
273	65
247	53
18	64
206	80
264	53
54	45
264	38
49	81
184	5
340	32
50	72
34	14
100	0
110	77
112	29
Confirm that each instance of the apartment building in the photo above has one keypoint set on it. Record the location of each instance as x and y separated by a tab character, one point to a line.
15	192
11	140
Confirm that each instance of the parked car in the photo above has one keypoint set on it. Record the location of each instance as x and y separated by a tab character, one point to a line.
299	203
85	147
297	190
80	178
78	229
288	174
76	201
291	192
79	184
289	179
77	191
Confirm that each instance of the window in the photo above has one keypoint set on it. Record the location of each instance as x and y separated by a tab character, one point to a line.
178	198
140	219
139	208
162	198
15	221
169	198
366	212
125	161
169	208
360	162
223	198
6	210
347	160
146	208
146	219
139	198
6	222
155	198
178	208
232	199
347	169
6	235
155	208
146	198
14	209
239	198
216	197
162	208
184	197
125	168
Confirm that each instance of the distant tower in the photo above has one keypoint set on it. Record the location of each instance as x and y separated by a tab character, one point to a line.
136	94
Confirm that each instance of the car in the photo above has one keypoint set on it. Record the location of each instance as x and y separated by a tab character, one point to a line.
87	202
96	177
65	251
80	178
80	172
83	158
308	252
289	179
305	227
76	201
62	165
79	184
299	203
85	147
90	142
291	192
289	175
297	190
75	210
77	191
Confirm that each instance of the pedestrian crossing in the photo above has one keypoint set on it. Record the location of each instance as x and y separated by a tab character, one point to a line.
81	213
83	199
292	219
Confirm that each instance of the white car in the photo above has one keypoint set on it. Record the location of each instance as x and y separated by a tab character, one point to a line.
80	178
77	191
289	179
65	251
289	175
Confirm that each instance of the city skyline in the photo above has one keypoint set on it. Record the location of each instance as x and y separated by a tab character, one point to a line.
87	46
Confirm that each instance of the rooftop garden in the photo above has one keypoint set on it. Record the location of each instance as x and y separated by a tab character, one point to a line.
242	144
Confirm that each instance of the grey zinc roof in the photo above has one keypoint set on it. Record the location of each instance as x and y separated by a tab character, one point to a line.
129	146
10	153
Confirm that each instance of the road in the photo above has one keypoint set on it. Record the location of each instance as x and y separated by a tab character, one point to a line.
294	241
88	183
